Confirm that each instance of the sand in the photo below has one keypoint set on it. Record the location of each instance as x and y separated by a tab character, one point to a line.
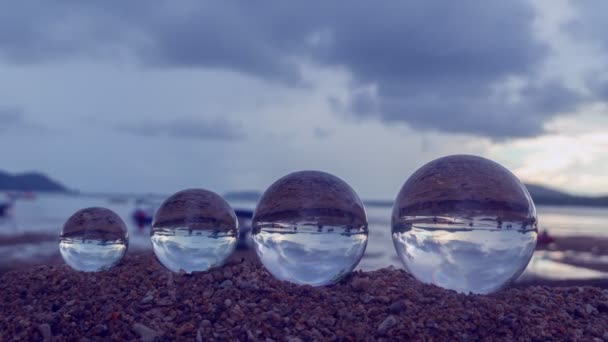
240	301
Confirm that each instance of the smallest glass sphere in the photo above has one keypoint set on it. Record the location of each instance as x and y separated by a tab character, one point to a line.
93	239
194	230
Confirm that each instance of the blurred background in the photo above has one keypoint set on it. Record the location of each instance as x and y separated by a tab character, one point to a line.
121	104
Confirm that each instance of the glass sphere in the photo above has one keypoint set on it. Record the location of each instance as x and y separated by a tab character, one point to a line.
464	223
93	239
310	228
194	230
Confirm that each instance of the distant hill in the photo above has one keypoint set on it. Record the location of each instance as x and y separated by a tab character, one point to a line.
544	195
30	181
540	194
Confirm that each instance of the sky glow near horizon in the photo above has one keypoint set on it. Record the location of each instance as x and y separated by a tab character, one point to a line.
119	97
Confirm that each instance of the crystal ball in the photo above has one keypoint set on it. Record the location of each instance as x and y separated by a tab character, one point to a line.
464	223
310	227
194	230
93	239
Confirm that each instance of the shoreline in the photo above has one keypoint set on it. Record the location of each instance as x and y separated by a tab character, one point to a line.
565	250
140	299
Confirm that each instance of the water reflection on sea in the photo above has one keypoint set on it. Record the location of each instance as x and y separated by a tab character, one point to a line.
47	214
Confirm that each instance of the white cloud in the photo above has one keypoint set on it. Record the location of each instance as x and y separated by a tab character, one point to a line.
572	157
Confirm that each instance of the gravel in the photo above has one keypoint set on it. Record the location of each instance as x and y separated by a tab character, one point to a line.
140	300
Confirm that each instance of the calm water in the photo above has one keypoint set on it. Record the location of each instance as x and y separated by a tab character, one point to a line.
48	213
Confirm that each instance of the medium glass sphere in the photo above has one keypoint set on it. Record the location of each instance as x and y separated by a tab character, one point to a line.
464	223
93	239
310	227
194	230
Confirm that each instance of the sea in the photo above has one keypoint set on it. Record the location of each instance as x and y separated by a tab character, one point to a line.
46	213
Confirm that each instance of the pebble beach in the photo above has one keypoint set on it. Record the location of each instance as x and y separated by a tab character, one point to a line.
140	300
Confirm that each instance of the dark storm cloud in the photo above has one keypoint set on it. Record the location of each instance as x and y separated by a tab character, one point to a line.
484	114
218	129
433	65
590	26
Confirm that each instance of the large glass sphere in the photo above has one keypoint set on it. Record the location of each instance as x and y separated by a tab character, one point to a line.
310	228
194	230
93	239
464	223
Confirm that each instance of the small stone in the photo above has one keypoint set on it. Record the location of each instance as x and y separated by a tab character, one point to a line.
247	285
199	335
581	312
366	298
311	322
360	284
146	334
227	302
272	317
383	299
185	328
208	293
397	307
388	323
147	299
100	329
508	319
164	302
226	284
293	339
227	273
71	302
45	331
590	309
236	311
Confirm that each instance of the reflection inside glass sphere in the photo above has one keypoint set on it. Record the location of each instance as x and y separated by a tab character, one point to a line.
310	228
194	230
464	223
93	239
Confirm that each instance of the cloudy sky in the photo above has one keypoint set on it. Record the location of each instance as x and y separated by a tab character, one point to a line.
139	96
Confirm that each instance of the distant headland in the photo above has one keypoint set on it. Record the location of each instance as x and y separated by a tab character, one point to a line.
544	195
29	181
541	195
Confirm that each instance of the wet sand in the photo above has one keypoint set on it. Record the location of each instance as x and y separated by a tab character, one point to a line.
594	247
597	245
16	239
139	299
